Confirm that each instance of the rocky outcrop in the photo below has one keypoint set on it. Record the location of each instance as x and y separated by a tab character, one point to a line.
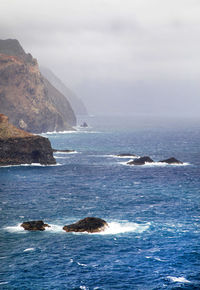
140	161
26	97
34	225
84	125
20	147
63	150
76	103
89	224
171	160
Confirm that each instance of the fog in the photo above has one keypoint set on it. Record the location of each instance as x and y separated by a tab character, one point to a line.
120	56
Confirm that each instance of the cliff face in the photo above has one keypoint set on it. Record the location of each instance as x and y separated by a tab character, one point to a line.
20	147
77	104
30	102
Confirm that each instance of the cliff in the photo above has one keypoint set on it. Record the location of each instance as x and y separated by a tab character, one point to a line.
26	97
76	103
20	147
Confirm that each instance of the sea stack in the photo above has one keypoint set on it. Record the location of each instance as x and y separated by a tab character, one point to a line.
88	224
34	225
20	147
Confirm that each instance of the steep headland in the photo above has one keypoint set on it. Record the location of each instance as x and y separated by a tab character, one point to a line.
20	147
76	103
26	97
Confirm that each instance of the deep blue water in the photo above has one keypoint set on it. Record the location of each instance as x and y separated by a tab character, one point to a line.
153	211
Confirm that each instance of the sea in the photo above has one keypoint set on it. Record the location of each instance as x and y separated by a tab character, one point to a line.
153	210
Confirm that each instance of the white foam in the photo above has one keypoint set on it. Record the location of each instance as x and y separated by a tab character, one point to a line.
78	131
3	283
61	152
15	229
122	157
29	250
178	279
83	265
32	164
113	228
155	164
59	132
124	227
54	228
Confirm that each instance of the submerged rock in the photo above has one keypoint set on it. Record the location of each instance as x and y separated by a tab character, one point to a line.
63	150
171	160
126	154
89	224
140	161
34	226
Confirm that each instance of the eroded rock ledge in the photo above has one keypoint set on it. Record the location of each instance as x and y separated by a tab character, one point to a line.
20	147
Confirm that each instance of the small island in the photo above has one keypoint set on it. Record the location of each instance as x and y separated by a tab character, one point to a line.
20	147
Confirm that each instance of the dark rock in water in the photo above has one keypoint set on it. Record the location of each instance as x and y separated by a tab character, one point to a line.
171	160
20	147
89	224
84	125
140	161
34	226
63	150
126	154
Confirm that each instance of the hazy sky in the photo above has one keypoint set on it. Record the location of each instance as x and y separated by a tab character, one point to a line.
120	56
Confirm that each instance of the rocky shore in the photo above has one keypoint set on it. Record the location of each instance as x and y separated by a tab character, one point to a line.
20	147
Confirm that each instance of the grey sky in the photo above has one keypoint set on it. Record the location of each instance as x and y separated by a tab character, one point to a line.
134	56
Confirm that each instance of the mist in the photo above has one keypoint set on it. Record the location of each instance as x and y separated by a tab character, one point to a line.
132	57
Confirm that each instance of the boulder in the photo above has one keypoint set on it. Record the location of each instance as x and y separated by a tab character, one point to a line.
140	161
88	224
171	160
34	225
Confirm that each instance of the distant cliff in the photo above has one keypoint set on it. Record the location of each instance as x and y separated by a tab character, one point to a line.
20	147
76	103
26	97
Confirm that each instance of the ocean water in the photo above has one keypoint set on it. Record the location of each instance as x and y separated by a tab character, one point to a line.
153	211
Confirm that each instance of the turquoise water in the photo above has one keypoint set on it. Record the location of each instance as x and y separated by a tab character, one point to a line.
153	240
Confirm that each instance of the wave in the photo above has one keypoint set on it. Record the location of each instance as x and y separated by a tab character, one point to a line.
31	165
114	228
29	250
155	164
61	152
120	228
178	279
122	157
68	132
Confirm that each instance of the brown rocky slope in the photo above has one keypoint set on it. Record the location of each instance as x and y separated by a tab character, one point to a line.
26	97
20	147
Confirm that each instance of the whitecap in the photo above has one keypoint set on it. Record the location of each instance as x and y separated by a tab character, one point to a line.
54	228
15	229
154	164
29	250
32	164
61	152
3	283
124	227
83	265
178	279
122	157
